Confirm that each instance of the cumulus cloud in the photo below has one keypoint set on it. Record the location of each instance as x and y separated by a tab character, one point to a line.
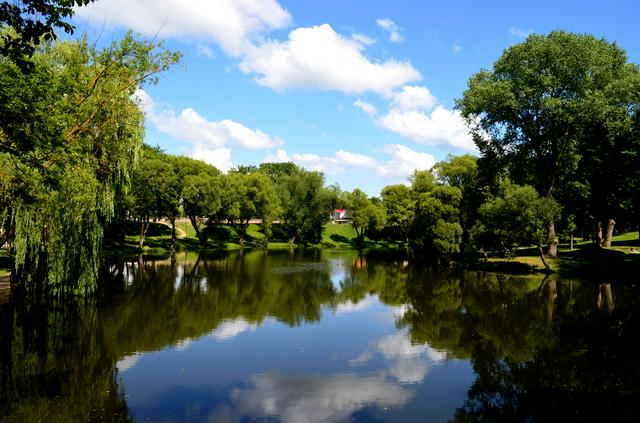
318	57
232	24
402	161
440	127
413	97
519	32
340	162
392	28
210	140
368	108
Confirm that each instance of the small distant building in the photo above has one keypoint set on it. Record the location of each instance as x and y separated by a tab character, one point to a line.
340	216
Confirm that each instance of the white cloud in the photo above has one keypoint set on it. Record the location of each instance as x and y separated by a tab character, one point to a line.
210	140
205	50
363	39
393	29
318	57
368	108
354	159
218	157
404	161
439	127
232	24
340	162
519	32
457	48
414	97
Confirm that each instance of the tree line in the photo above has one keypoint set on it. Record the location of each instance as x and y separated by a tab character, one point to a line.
555	122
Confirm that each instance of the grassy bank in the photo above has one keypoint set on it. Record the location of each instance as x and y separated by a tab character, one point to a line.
158	240
585	260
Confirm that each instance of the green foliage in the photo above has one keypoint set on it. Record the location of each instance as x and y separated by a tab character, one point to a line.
32	21
518	216
305	202
249	196
436	231
365	215
399	207
72	134
557	112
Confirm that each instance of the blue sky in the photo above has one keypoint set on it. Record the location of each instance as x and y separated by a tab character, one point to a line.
361	90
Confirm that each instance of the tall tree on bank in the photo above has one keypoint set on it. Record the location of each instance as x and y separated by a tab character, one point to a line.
200	193
518	216
531	112
304	200
72	132
364	213
154	192
435	232
462	172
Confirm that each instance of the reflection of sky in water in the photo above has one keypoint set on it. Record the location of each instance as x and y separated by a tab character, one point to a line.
350	362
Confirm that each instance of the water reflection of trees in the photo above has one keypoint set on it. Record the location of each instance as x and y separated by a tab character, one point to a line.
542	350
538	346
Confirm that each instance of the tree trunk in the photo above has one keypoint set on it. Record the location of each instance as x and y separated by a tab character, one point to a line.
607	239
599	236
571	241
194	223
541	252
173	233
144	225
552	251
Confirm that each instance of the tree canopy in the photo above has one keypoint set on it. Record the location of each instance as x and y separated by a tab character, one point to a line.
70	135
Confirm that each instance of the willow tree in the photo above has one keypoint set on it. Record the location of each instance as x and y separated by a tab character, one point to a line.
535	111
70	132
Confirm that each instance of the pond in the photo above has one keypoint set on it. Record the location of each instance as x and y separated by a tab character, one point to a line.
321	336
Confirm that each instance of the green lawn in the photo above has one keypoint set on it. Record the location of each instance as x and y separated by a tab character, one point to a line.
620	262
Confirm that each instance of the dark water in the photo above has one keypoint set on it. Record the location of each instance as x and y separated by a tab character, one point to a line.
322	337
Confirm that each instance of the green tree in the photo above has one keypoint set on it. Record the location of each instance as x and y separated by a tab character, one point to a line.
31	21
154	192
249	196
435	231
519	216
72	132
364	213
532	113
462	172
305	202
399	206
201	193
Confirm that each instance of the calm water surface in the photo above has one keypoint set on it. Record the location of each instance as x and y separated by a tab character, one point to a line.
321	337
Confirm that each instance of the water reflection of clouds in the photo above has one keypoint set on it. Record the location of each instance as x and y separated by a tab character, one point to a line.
350	307
231	328
319	398
128	362
406	362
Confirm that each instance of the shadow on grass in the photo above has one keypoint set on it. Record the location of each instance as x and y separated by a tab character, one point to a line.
342	239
